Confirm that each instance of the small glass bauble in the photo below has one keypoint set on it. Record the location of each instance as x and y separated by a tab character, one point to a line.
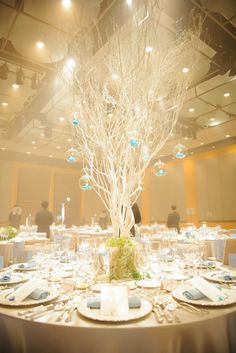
160	168
145	153
134	142
75	119
180	151
72	155
85	182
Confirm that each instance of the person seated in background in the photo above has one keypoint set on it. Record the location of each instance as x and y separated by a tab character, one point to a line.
173	219
14	217
137	217
103	219
43	219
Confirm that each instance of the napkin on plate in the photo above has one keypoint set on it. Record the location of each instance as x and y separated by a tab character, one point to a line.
195	294
227	276
39	294
209	290
6	277
27	265
207	263
95	302
23	291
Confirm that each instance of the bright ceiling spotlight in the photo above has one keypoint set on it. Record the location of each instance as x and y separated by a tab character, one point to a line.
226	94
40	45
19	77
149	49
129	2
66	4
5	104
15	86
185	70
114	76
4	70
191	110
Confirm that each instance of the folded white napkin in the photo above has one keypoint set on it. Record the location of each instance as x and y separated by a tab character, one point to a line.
208	289
23	291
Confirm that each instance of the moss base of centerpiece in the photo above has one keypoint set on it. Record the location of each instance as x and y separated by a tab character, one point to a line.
122	258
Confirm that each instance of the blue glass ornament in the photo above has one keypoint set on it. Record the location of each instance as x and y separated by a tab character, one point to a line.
85	182
72	155
75	119
134	142
179	151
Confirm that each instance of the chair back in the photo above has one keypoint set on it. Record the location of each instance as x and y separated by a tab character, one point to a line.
229	251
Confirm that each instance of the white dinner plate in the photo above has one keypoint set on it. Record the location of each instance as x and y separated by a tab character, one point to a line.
15	279
28	301
16	267
231	297
133	314
148	283
216	276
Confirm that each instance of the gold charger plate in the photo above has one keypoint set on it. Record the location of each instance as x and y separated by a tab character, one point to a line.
16	267
15	279
216	276
27	302
133	314
231	297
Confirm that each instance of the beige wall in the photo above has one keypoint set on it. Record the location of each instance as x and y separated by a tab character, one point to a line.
204	184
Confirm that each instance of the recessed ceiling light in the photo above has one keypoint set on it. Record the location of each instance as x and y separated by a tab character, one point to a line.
227	136
40	45
186	138
129	2
202	143
15	85
212	119
172	134
42	134
69	140
28	152
114	76
213	146
5	104
50	156
185	70
149	49
109	115
3	148
33	142
58	147
191	110
226	94
161	155
61	118
66	3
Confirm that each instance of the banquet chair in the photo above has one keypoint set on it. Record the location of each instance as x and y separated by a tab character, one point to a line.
229	257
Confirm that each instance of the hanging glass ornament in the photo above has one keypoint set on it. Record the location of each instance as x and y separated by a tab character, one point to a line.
145	153
180	151
72	155
85	182
160	168
75	118
134	142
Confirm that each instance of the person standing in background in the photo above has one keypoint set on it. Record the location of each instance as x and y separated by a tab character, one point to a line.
14	217
137	217
43	219
173	219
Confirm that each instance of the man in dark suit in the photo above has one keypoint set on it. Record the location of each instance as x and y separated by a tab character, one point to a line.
173	219
137	217
44	219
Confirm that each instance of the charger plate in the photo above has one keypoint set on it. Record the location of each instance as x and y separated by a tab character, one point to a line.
16	267
133	314
216	276
15	279
27	302
178	294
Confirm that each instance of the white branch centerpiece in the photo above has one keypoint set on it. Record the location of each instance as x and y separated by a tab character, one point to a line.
126	94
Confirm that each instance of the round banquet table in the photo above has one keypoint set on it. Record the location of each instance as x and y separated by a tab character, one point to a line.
210	333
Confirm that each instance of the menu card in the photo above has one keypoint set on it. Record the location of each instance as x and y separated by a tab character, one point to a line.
114	300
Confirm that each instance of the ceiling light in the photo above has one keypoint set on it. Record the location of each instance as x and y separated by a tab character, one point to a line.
40	45
66	3
212	119
129	2
69	140
191	110
15	86
213	146
185	70
4	70
159	99
19	77
172	134
3	148
227	94
42	134
114	76
50	156
202	143
5	104
28	152
33	142
34	82
227	136
61	118
58	147
186	138
149	49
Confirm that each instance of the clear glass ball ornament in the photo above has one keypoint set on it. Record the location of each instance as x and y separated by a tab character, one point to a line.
85	182
180	151
72	155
